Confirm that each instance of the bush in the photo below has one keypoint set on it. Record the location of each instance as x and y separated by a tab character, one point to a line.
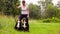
53	19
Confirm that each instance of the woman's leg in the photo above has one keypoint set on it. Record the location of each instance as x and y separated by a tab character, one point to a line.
27	25
27	28
20	18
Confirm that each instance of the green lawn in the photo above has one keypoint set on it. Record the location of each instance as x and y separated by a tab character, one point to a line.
36	27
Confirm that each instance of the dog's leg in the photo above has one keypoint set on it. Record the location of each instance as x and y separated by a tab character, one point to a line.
18	24
24	24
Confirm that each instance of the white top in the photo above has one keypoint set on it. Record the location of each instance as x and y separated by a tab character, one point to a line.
24	10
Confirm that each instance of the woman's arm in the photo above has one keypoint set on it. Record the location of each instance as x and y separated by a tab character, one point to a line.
28	11
17	6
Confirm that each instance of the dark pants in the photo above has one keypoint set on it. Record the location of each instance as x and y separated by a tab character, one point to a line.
24	16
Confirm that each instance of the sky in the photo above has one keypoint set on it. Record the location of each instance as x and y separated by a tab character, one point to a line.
36	1
55	1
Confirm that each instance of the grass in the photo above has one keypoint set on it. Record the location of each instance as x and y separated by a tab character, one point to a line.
36	27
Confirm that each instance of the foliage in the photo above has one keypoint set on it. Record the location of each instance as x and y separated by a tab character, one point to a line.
51	11
34	11
51	20
58	13
8	7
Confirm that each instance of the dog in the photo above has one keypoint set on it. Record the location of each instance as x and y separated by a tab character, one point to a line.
22	25
25	25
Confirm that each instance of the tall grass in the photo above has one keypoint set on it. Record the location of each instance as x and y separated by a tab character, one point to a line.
36	26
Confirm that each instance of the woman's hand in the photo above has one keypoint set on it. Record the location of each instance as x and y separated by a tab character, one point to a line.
28	16
17	6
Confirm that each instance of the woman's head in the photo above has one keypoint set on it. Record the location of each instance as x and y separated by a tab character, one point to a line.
23	3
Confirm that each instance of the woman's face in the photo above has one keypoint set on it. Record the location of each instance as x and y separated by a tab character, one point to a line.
23	3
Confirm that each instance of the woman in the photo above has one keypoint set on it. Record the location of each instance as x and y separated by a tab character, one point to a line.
24	14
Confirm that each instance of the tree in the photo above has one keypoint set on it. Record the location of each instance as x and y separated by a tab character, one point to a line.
8	7
34	11
51	11
43	5
58	4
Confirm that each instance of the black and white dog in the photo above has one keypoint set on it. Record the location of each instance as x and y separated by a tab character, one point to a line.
23	25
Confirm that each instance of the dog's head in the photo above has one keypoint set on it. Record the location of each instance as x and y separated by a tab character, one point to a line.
23	20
